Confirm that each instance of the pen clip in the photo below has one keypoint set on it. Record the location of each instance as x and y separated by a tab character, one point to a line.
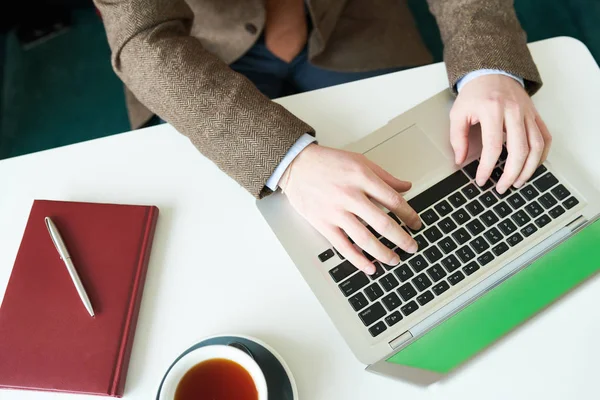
56	239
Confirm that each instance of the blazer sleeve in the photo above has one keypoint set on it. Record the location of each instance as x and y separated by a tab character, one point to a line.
484	34
220	111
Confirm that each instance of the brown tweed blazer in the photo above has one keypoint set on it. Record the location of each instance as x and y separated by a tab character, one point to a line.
173	56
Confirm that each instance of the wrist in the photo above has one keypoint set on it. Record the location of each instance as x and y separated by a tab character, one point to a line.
285	178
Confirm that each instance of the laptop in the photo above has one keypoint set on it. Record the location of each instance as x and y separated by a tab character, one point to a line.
472	238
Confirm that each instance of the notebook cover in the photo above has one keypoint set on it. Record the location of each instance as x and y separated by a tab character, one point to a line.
48	341
511	303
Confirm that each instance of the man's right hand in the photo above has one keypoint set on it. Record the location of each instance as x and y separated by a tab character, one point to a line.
334	190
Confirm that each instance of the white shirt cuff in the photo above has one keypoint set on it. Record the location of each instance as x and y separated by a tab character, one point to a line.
301	143
481	72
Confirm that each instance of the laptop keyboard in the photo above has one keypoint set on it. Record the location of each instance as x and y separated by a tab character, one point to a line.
464	228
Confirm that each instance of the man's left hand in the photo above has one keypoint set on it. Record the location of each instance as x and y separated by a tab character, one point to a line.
501	106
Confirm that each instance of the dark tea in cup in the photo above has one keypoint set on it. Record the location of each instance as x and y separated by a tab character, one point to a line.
217	379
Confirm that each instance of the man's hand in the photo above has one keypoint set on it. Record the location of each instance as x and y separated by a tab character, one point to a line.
334	189
500	104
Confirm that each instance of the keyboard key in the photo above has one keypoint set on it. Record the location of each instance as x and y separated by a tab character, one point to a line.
436	272
475	227
507	227
443	208
438	191
451	263
461	216
521	218
358	301
471	191
407	291
433	254
529	230
529	192
570	202
425	298
547	200
429	217
326	255
515	200
373	291
388	282
421	242
422	282
371	314
545	182
457	199
393	318
496	174
503	154
404	273
379	271
503	195
489	218
500	248
474	208
369	257
447	245
418	263
342	271
433	234
339	254
471	169
447	225
373	231
456	278
470	268
514	239
377	329
487	185
488	199
560	192
461	236
485	258
539	171
354	283
479	245
402	254
387	243
493	236
395	218
465	254
556	212
409	308
502	209
534	209
391	301
440	288
543	221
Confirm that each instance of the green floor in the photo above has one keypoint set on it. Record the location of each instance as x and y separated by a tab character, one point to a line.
64	90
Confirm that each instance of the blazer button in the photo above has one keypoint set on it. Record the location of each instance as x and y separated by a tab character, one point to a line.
251	28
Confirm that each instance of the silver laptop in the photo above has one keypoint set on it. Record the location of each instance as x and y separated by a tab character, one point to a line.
472	239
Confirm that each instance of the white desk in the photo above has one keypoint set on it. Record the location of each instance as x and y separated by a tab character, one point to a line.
216	267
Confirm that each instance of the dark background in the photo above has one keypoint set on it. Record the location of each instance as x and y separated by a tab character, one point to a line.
64	91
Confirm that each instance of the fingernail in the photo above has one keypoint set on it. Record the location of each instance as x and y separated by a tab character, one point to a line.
413	247
518	184
370	270
394	260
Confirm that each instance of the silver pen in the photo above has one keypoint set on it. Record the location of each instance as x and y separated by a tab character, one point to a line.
64	255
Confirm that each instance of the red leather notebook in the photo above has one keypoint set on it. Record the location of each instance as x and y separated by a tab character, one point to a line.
48	341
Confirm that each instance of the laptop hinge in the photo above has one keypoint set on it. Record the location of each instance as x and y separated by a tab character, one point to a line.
400	340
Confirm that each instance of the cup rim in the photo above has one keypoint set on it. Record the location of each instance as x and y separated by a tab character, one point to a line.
210	352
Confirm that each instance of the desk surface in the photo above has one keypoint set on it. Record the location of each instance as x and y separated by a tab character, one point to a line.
217	268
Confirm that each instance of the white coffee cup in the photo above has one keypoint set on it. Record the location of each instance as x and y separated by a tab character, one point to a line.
194	357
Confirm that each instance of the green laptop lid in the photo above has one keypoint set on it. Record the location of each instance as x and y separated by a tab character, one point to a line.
469	331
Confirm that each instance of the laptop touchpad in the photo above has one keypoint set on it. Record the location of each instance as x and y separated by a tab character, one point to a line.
410	155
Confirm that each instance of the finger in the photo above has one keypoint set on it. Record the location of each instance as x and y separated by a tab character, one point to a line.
366	241
395	183
459	134
383	194
384	225
536	150
491	137
518	150
339	240
545	134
